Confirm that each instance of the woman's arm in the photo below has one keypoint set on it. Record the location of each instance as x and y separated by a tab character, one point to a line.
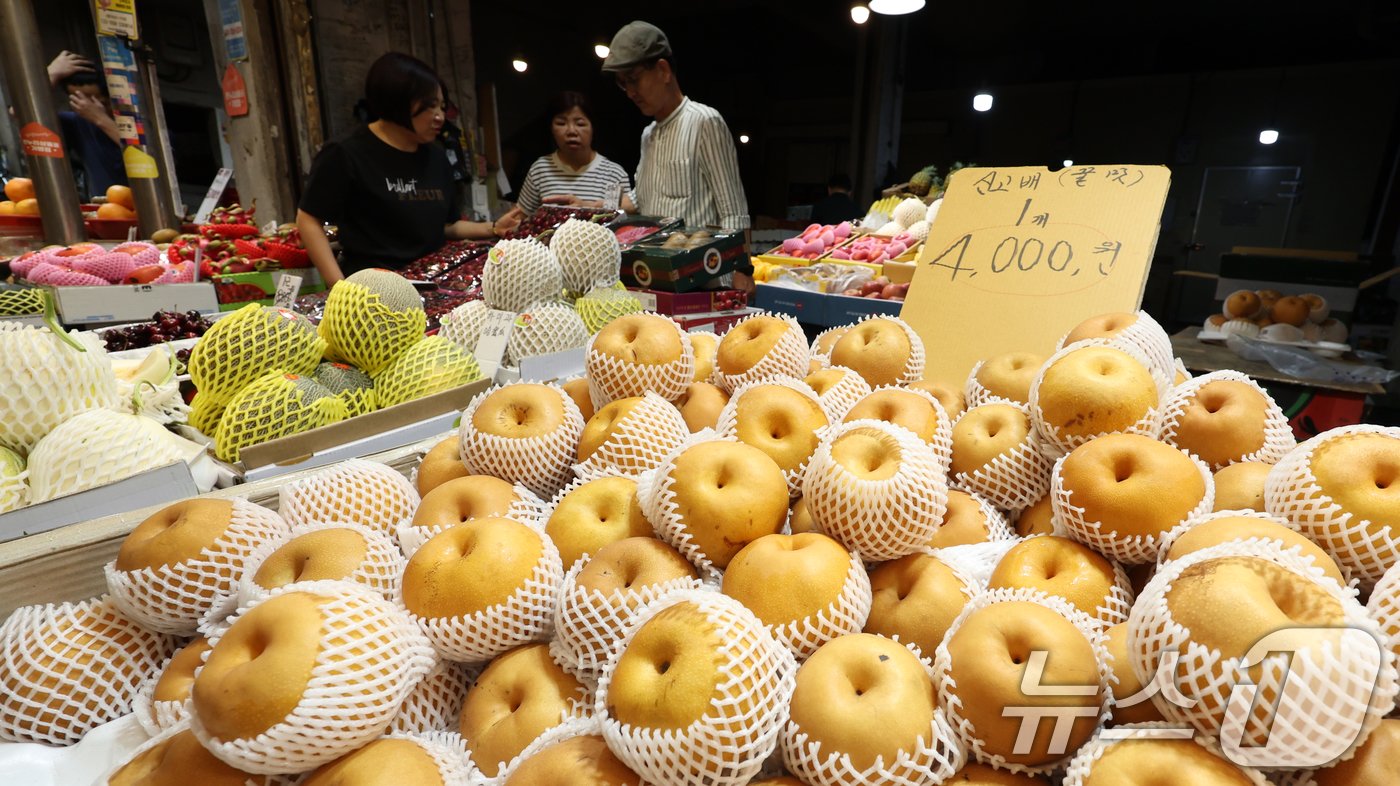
318	247
480	230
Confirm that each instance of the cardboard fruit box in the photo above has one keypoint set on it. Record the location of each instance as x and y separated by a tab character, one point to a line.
699	302
649	265
236	290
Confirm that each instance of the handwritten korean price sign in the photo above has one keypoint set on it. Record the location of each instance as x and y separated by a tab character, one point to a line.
1020	255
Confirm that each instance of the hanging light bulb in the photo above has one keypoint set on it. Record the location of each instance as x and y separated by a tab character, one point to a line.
519	65
982	102
860	14
743	139
601	50
895	7
1268	136
1069	162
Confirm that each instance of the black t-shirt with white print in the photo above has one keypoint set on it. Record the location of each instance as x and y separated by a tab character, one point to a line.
391	206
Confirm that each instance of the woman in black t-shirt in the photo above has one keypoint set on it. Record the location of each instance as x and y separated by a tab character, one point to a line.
388	185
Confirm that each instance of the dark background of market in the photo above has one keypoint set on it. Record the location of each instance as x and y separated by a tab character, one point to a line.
1188	84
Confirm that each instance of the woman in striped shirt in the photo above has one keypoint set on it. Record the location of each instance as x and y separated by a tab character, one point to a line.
575	173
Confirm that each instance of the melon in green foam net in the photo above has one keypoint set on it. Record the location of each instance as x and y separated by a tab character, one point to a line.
371	318
431	366
275	405
249	343
349	384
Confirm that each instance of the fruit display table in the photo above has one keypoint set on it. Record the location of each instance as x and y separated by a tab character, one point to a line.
1315	406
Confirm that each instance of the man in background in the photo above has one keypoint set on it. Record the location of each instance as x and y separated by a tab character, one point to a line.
838	205
689	167
89	131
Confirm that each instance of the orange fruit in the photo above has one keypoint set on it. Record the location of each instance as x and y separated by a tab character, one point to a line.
20	189
7	208
121	195
27	207
114	210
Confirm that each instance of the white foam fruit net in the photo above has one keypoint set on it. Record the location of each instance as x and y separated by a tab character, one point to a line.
44	382
878	519
520	272
157	716
997	527
935	758
524	507
1278	436
955	705
727	746
369	658
1081	768
462	325
99	447
1014	479
611	378
590	623
942	438
1302	706
1147	338
755	417
789	357
70	667
1384	606
913	369
174	755
1169	540
588	253
657	495
1115	606
974	392
14	486
639	441
1149	424
436	701
845	614
379	569
351	492
1292	492
543	329
174	598
526	615
540	463
831	334
846	393
1104	536
976	560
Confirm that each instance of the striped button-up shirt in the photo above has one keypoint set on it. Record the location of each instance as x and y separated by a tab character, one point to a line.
689	170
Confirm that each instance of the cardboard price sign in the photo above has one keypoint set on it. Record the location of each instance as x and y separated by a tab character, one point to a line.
1018	256
495	335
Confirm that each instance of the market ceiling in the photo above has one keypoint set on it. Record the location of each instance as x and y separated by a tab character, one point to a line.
957	44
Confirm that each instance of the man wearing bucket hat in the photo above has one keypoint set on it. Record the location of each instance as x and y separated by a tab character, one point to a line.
688	166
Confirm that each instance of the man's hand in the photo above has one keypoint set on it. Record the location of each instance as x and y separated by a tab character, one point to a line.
89	108
66	65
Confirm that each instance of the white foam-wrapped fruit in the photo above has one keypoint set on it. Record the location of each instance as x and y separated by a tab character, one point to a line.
524	433
543	329
638	353
520	273
588	253
47	376
98	447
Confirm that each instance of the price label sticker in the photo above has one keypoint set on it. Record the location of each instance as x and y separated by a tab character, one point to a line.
1018	256
211	197
288	287
130	233
270	227
554	366
648	300
495	335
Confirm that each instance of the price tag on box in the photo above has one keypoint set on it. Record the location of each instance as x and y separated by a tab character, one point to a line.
288	286
495	335
1018	256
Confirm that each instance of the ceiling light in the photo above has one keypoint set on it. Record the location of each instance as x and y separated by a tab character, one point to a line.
601	50
1069	162
982	102
860	14
1268	136
895	7
743	139
519	65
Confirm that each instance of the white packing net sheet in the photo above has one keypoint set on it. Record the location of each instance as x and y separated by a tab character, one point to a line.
525	616
1081	767
1364	548
176	598
1384	606
1104	536
354	492
638	442
788	357
369	658
539	463
1015	478
1302	704
436	702
846	393
1147	338
844	615
1277	434
68	668
913	368
954	704
157	716
727	746
877	518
